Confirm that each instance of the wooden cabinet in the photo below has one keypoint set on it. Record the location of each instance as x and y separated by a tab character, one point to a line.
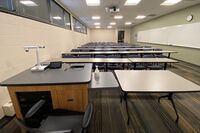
72	97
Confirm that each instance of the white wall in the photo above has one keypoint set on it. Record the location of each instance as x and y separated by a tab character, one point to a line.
109	35
16	32
103	35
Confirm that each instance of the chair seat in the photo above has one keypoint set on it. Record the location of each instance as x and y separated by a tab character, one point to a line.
53	123
114	66
137	67
155	67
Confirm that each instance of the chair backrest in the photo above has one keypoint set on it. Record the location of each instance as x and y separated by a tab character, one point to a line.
67	56
84	56
148	56
100	56
34	108
87	116
134	56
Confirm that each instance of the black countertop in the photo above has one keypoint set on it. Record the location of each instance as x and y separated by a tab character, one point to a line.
64	75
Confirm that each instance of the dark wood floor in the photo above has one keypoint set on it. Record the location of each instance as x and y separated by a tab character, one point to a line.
147	115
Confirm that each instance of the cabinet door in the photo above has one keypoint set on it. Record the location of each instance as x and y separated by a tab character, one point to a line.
73	97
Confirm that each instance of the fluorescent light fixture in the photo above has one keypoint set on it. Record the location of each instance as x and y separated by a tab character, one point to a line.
28	3
78	27
57	17
96	23
97	27
170	2
93	2
96	17
128	23
109	26
112	23
140	17
118	17
131	2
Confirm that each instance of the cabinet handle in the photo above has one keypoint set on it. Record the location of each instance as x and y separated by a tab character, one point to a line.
70	99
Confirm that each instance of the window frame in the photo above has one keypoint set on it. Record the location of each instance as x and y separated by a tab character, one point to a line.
74	24
17	13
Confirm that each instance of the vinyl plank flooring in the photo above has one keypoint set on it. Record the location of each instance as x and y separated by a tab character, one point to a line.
147	115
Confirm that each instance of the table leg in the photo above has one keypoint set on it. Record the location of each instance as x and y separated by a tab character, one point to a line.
170	97
169	55
165	66
126	104
106	67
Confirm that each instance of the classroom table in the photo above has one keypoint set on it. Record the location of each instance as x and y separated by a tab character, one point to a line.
93	60
152	81
120	52
152	60
106	80
112	46
116	60
114	49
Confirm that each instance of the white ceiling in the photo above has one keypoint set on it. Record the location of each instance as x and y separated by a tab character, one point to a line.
145	7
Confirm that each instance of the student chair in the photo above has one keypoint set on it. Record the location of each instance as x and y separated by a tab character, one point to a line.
58	123
136	66
153	66
84	56
114	66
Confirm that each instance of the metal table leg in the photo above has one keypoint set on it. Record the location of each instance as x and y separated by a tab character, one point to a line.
126	104
170	97
165	66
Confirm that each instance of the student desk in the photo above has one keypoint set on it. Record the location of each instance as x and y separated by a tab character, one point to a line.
150	81
111	46
94	60
153	60
68	86
115	49
120	53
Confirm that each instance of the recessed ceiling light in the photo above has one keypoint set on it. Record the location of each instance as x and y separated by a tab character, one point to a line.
131	2
57	17
97	27
140	17
118	17
28	3
96	17
96	23
128	23
112	23
109	26
170	2
93	2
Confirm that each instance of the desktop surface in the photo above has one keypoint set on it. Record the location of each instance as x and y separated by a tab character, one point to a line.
64	75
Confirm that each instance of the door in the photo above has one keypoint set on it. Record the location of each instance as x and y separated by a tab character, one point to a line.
120	36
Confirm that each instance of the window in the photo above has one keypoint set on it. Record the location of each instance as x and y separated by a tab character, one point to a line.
47	11
37	9
8	5
79	27
57	14
67	20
